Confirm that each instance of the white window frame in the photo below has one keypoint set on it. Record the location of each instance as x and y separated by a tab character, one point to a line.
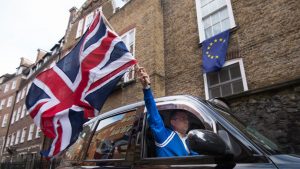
227	63
127	43
23	92
6	88
18	97
23	111
88	20
79	28
118	5
13	117
30	133
18	137
2	104
18	114
9	101
8	141
12	139
4	120
28	87
200	17
13	86
23	135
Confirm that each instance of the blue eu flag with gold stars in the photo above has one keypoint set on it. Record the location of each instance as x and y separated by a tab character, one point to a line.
214	52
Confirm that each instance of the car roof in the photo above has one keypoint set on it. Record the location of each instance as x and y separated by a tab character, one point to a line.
140	103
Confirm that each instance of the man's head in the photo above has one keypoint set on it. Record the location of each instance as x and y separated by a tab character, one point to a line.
179	121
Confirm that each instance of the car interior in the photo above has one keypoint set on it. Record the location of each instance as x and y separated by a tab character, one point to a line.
149	151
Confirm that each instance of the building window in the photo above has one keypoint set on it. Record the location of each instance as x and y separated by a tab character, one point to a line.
18	113
18	137
23	135
85	22
13	117
4	121
3	140
104	144
31	128
13	86
6	88
118	4
8	140
18	97
88	20
23	92
9	101
79	28
23	111
2	104
213	16
129	40
38	133
12	139
231	79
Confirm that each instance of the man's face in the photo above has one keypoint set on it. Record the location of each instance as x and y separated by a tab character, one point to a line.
180	122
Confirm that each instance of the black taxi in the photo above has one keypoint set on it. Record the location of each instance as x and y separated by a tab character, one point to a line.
121	139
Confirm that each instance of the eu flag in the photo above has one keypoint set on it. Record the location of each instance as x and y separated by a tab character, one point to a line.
214	52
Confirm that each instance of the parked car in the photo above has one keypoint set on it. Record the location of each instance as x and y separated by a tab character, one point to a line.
121	139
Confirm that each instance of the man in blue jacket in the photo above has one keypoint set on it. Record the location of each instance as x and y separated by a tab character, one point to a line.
169	142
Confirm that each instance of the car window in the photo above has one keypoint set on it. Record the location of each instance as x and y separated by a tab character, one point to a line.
111	137
149	142
76	151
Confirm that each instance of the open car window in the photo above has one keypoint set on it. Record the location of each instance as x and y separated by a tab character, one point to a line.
111	137
76	150
149	142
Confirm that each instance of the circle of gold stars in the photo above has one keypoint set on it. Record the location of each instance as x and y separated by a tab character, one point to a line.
221	40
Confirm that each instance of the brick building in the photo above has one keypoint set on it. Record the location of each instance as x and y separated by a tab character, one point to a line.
167	37
24	140
260	77
10	87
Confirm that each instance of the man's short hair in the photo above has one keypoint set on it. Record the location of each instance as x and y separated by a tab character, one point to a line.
174	113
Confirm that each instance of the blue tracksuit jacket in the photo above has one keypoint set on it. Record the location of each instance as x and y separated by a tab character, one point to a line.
167	141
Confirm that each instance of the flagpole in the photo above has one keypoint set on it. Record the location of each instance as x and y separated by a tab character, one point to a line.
109	25
106	21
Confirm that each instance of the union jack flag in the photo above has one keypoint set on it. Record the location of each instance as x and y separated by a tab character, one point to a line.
62	98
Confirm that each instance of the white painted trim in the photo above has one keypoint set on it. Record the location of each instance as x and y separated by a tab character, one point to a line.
227	63
230	14
199	21
199	18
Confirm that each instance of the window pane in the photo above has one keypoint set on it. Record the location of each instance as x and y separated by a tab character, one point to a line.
110	140
215	18
215	92
224	75
225	24
206	22
216	28
75	152
226	89
213	78
223	14
238	86
208	32
235	71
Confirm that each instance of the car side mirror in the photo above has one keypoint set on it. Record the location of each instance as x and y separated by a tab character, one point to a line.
206	142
